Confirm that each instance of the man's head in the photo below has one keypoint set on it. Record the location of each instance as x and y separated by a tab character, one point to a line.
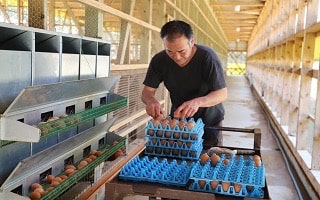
178	40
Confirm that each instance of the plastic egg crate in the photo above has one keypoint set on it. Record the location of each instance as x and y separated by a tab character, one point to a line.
159	171
175	133
240	177
174	149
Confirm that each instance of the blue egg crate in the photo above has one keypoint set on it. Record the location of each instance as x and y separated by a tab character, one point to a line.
175	142
183	150
175	133
159	171
228	177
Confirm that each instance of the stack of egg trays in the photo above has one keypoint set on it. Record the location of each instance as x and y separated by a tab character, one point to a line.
156	170
239	172
187	146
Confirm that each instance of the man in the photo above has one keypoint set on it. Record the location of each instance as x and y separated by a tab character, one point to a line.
194	77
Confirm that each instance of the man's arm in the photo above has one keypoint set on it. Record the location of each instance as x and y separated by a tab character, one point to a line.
153	107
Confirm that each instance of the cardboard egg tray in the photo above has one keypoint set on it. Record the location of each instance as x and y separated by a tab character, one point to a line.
156	170
240	177
175	142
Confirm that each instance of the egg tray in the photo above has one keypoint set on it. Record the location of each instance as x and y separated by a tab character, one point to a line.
166	150
167	132
111	149
228	177
152	169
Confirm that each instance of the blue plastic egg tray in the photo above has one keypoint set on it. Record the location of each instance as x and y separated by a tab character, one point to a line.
175	142
175	133
240	177
156	170
183	151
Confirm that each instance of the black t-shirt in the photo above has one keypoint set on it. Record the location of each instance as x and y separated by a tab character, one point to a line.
200	76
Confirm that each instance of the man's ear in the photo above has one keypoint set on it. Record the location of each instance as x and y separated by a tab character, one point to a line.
191	42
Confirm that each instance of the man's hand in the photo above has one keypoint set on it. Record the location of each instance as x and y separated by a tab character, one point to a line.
153	107
187	109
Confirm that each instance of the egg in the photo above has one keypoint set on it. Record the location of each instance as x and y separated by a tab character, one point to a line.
201	183
89	160
98	153
214	159
40	190
164	123
175	152
185	135
167	151
188	144
35	186
173	123
159	133
179	143
70	167
182	124
156	122
54	183
92	157
237	187
49	178
154	141
226	161
184	153
171	142
58	179
151	132
167	134
176	135
225	186
35	195
163	142
190	125
204	158
214	184
257	160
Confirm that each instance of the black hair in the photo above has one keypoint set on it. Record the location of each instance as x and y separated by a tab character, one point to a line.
176	28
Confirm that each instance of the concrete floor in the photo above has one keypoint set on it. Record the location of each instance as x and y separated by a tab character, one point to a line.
243	111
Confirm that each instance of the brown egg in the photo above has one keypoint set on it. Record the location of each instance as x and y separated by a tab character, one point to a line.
194	136
89	160
204	158
256	157
190	125
151	132
201	183
154	141
58	179
175	152
237	187
150	149
182	124
184	153
167	151
158	150
63	177
40	190
163	141
69	171
164	123
159	133
188	144
214	159
226	161
35	195
225	186
70	167
171	142
156	122
54	183
179	143
92	157
35	186
93	152
98	153
49	178
167	134
173	123
176	135
214	184
257	163
185	135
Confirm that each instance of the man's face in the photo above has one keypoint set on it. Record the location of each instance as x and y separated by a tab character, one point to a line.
180	50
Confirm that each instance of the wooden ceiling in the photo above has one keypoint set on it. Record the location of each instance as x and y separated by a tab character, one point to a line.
237	17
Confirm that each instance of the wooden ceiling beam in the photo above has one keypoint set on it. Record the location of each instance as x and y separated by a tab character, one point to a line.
251	4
